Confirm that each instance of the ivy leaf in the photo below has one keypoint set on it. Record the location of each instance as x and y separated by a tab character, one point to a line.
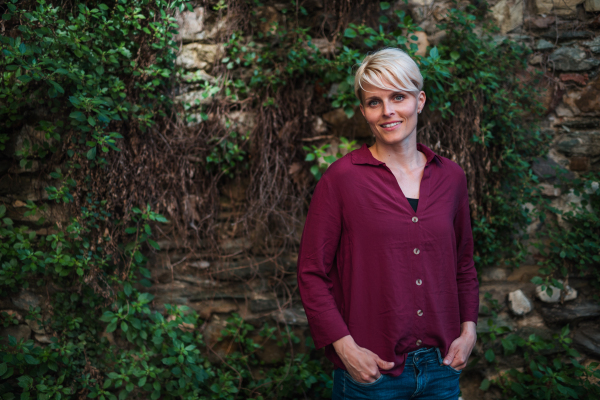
489	355
91	154
127	289
142	381
485	384
350	33
455	55
384	5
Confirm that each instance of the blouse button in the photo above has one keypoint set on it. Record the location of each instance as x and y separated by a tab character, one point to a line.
416	251
419	313
419	342
415	219
419	282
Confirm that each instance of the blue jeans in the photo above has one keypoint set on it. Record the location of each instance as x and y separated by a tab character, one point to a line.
423	378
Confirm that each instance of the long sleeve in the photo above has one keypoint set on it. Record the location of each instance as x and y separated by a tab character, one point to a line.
466	275
320	240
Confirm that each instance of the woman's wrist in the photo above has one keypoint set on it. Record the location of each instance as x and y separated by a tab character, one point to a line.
341	344
468	329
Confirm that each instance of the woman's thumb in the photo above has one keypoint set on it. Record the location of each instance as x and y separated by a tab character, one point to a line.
384	364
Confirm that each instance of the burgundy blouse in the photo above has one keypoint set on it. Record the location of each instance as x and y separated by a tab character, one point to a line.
371	267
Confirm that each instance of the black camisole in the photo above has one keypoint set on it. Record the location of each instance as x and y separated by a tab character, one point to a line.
413	203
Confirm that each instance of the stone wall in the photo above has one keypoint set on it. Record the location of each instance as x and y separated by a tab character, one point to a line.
565	38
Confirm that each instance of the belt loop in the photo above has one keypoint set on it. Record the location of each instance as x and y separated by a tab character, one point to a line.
440	359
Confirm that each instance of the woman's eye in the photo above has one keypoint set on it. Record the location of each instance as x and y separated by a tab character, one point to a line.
373	103
399	97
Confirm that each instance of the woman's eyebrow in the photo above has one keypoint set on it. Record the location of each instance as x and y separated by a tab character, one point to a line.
371	98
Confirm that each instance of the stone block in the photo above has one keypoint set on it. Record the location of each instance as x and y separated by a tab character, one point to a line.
543	45
570	313
422	42
198	56
19	332
491	274
206	308
585	100
580	164
549	190
594	45
291	316
571	294
592	5
502	320
524	273
508	14
25	299
580	79
588	339
558	7
580	143
571	59
35	326
518	303
191	25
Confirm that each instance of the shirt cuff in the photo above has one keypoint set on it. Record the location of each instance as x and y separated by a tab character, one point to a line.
327	327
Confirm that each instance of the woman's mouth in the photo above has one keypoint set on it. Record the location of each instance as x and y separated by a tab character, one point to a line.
391	125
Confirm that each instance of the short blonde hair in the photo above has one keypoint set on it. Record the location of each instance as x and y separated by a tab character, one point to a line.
390	69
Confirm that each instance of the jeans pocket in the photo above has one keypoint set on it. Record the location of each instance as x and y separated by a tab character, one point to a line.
351	379
458	371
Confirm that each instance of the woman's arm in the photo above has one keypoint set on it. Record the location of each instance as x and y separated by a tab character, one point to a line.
320	240
467	283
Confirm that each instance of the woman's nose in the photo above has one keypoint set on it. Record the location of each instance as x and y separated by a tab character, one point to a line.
387	109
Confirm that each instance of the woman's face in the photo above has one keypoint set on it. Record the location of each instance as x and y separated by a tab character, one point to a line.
392	115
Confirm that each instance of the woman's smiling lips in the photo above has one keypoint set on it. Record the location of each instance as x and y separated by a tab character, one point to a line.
390	125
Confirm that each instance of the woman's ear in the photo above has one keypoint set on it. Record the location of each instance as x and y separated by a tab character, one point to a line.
362	110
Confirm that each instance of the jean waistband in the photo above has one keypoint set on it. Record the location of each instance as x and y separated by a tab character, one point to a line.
431	354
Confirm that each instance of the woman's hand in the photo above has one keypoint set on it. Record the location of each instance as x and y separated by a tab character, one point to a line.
461	347
362	364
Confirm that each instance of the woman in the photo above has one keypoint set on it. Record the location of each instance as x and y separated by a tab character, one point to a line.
385	268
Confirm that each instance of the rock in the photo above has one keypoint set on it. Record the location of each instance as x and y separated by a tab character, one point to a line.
571	59
35	326
558	7
201	264
568	35
588	339
325	46
198	56
546	169
336	117
518	303
206	308
585	100
508	14
12	314
291	316
542	294
543	45
494	274
591	5
422	42
568	202
580	143
25	299
563	111
533	320
45	339
438	38
191	25
24	188
549	190
563	314
579	164
594	45
19	332
581	123
580	79
536	59
262	304
539	22
502	320
269	352
242	122
213	340
318	125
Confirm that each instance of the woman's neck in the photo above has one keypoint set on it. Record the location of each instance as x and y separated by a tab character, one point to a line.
403	155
